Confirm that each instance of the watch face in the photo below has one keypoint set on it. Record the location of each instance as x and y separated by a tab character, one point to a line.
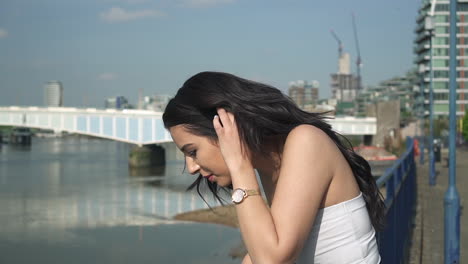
238	195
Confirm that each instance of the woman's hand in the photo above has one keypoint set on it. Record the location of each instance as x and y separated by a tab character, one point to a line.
235	153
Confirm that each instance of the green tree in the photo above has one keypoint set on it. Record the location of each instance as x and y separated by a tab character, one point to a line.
465	125
440	125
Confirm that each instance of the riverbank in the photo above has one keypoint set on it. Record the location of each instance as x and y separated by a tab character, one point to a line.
223	215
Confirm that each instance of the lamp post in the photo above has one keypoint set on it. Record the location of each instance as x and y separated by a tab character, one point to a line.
452	199
429	25
422	70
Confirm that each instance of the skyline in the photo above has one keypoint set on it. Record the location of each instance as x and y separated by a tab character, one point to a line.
105	48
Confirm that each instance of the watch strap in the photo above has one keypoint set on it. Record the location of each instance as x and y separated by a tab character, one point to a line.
252	192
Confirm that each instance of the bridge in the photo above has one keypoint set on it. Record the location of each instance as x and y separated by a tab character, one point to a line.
140	127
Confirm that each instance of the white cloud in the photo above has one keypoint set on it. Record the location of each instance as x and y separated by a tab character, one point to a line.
204	3
107	76
117	14
3	33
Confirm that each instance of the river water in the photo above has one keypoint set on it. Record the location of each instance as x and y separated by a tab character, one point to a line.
74	200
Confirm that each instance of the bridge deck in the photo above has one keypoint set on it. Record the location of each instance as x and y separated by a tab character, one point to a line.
139	127
428	235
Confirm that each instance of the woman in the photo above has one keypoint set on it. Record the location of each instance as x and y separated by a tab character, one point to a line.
323	203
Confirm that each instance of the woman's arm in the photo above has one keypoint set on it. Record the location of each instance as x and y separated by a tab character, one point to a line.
277	235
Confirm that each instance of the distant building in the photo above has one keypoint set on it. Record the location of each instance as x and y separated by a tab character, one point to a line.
326	105
296	94
304	94
402	89
344	85
155	103
118	102
344	65
441	57
399	89
53	94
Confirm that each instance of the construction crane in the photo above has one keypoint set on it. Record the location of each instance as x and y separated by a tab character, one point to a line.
358	60
340	45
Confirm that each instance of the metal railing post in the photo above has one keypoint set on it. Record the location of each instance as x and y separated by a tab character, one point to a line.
432	175
452	199
422	70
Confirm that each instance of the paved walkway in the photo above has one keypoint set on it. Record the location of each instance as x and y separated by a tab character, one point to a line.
428	235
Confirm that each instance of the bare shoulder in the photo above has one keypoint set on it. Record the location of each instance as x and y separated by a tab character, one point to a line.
308	136
311	145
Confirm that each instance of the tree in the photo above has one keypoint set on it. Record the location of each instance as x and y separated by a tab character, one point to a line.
465	126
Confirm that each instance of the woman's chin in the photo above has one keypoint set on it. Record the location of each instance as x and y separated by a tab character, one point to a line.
224	183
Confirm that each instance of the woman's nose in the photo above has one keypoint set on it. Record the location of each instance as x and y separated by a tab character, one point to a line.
192	166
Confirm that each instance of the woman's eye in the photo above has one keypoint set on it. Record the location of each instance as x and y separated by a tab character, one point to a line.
192	153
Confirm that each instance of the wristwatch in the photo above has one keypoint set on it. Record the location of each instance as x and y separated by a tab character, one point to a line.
239	194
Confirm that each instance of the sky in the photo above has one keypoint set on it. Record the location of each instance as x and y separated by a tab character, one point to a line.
104	48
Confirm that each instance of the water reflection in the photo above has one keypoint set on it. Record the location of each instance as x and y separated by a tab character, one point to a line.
80	190
136	205
144	172
54	173
22	148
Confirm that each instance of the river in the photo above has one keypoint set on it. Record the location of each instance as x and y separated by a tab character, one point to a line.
74	200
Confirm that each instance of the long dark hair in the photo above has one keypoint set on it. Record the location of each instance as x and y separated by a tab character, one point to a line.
261	111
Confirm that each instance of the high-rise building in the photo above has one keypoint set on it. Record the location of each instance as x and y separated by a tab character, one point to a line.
344	64
344	85
53	94
440	57
296	93
304	94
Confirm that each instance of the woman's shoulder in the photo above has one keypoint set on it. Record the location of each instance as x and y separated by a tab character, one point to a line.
310	141
308	133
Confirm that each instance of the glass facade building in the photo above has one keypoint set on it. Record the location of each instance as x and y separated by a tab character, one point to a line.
440	57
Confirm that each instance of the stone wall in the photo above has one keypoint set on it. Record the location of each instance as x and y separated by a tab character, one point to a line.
388	120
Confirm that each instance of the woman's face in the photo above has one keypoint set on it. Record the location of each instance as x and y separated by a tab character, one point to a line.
201	156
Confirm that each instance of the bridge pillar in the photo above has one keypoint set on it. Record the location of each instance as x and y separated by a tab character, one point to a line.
173	154
367	140
20	140
20	137
147	156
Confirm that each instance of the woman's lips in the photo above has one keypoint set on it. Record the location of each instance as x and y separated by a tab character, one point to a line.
210	177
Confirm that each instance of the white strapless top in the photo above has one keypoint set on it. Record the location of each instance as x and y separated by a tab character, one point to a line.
342	233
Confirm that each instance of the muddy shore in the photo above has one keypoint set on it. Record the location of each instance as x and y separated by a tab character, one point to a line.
223	215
